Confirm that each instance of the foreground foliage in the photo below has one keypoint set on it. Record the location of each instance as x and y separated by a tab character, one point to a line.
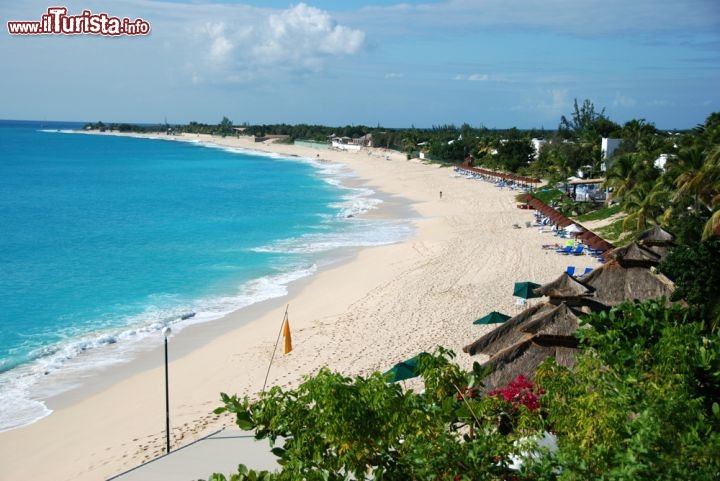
640	403
333	426
642	400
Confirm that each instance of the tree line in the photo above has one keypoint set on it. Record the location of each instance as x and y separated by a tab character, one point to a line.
683	195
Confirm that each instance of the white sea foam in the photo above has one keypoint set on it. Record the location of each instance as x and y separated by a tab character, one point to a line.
58	368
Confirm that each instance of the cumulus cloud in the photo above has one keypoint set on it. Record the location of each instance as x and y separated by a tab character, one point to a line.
298	38
551	103
622	100
476	77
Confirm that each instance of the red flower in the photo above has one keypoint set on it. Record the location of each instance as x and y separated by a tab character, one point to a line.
467	392
520	391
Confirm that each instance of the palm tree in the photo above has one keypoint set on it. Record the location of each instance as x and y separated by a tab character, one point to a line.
645	204
621	176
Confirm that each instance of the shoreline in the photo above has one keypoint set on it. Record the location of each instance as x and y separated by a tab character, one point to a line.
364	313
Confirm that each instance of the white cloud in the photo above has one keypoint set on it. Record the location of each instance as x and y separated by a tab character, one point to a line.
394	75
267	42
478	77
550	103
622	100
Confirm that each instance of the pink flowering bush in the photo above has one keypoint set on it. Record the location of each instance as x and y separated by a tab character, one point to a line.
520	391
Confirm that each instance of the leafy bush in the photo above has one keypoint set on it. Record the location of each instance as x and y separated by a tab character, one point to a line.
641	402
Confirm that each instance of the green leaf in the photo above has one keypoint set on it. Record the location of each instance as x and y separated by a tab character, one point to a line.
279	452
244	421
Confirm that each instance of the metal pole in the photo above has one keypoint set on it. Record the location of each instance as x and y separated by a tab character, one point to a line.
167	399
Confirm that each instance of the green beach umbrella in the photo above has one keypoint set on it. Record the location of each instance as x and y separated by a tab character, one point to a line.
405	369
493	318
525	290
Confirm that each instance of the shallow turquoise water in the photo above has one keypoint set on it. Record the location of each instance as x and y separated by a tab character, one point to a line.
107	239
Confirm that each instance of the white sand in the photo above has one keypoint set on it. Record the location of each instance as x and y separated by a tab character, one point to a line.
385	305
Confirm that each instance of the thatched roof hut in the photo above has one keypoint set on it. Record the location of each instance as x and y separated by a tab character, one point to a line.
524	358
635	255
657	240
565	289
534	338
656	236
542	319
507	331
614	283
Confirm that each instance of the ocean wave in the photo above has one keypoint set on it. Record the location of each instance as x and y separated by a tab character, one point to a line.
363	234
23	385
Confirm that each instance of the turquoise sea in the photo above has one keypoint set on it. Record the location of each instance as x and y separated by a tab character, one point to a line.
105	240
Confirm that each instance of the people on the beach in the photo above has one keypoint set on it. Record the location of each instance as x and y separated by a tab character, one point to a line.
441	194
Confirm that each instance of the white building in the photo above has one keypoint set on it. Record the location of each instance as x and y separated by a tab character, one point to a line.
537	145
608	147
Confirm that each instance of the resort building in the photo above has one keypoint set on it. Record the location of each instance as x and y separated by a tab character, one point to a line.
537	145
608	147
347	143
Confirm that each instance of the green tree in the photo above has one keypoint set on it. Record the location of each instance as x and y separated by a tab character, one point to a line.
225	127
586	124
336	428
695	269
641	401
645	204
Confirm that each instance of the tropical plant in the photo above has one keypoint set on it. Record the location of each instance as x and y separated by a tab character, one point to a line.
696	272
641	402
333	427
644	205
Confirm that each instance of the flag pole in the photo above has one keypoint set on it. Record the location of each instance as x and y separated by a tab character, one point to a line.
282	324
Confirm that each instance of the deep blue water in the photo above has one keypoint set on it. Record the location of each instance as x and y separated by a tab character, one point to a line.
104	240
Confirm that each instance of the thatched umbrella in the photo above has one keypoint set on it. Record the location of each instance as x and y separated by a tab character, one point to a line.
547	333
615	283
656	236
565	289
524	358
635	255
505	335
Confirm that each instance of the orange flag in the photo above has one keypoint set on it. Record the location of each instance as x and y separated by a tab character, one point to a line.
286	335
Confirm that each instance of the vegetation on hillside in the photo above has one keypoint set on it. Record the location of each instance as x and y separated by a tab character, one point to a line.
640	404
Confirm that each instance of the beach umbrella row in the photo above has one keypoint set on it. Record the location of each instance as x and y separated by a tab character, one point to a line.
503	175
588	237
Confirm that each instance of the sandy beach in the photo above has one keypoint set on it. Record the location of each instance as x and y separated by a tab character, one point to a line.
383	305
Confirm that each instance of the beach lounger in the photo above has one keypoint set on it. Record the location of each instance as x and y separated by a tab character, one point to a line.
575	252
570	270
587	271
565	250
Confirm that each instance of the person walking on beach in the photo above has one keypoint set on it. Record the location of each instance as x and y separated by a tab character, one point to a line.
441	194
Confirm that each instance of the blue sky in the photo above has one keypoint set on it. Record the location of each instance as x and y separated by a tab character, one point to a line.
495	63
